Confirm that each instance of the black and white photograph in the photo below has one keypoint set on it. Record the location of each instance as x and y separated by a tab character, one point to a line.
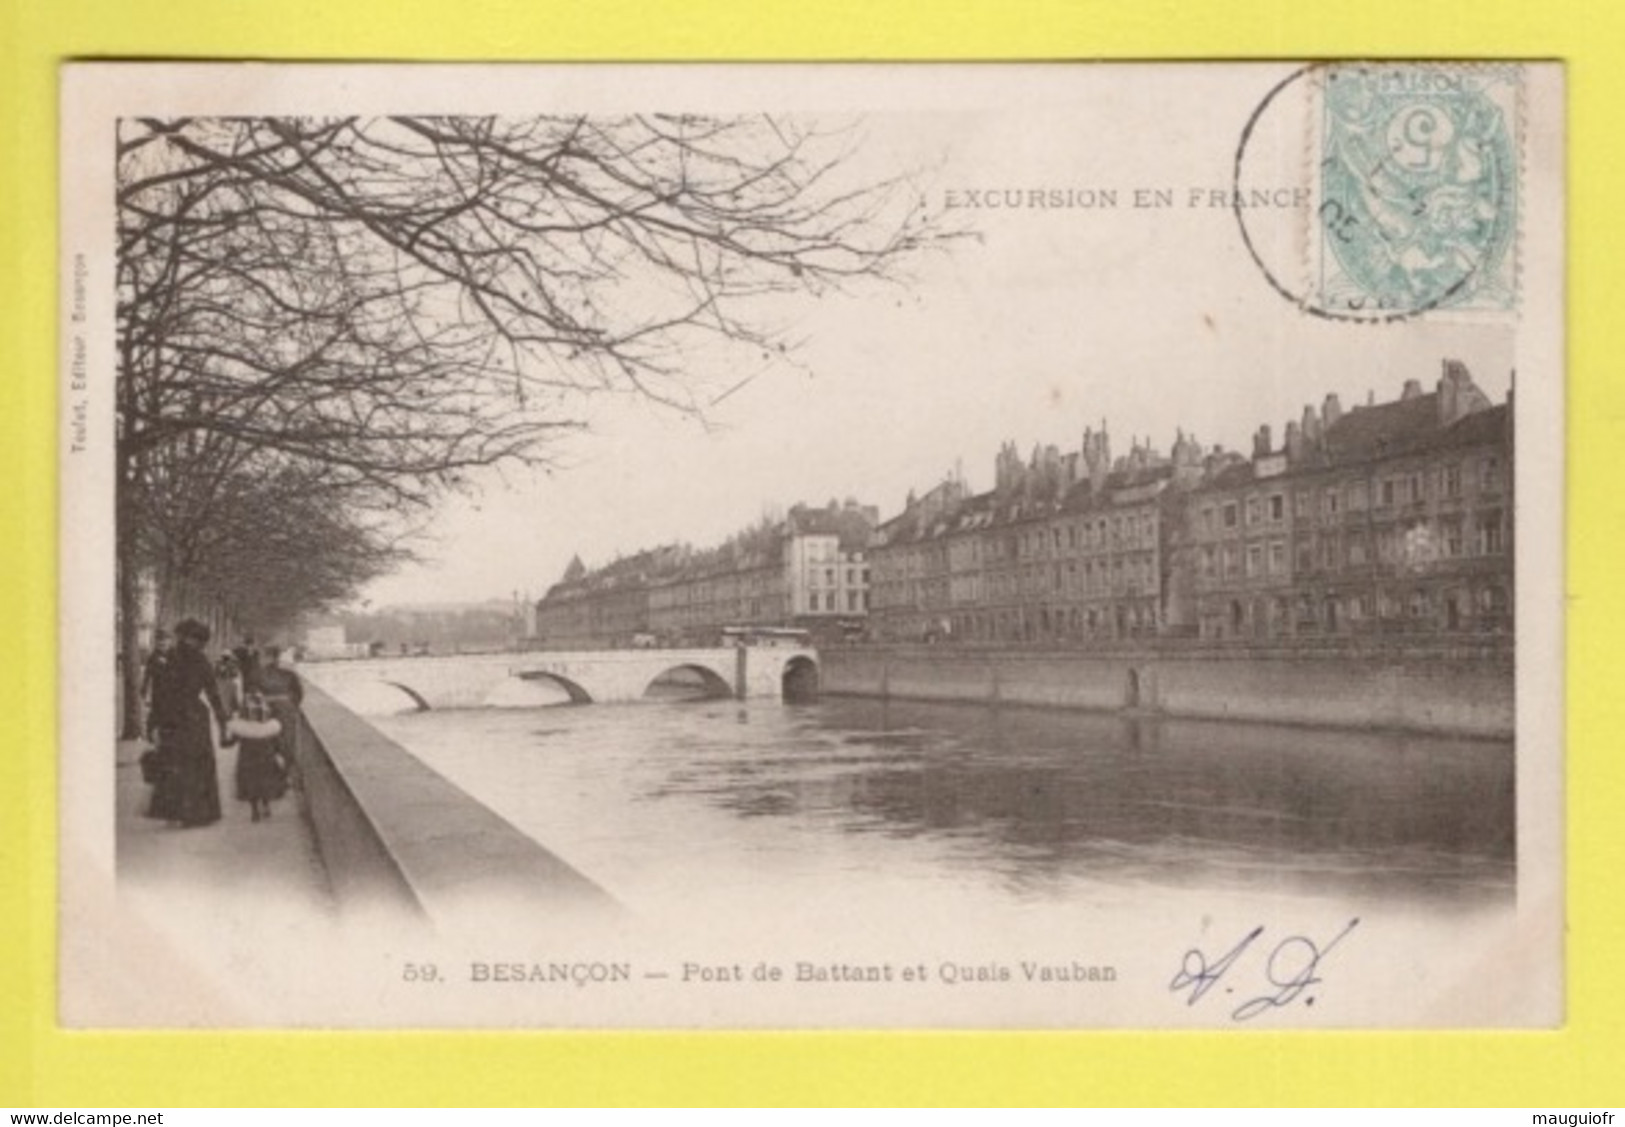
1044	546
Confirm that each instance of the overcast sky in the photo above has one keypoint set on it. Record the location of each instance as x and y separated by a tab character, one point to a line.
1152	318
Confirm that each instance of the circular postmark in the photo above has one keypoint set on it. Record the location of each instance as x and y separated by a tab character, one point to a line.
1415	183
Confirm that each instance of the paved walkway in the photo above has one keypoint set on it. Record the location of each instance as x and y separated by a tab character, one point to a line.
234	856
220	925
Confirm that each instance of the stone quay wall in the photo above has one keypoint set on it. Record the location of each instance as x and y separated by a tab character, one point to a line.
398	839
1461	690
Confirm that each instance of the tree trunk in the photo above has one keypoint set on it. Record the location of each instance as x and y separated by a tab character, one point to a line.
129	644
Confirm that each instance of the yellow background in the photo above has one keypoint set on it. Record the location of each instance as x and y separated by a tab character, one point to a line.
1582	1065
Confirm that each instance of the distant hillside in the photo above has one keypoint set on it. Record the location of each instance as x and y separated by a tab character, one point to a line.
438	626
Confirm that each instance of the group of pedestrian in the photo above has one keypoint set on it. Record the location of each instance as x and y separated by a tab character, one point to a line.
245	698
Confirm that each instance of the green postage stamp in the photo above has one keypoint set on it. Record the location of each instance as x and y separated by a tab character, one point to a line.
1418	175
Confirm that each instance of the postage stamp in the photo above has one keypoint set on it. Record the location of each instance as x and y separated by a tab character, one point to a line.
1418	176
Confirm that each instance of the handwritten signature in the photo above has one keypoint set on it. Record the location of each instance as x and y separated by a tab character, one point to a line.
1291	968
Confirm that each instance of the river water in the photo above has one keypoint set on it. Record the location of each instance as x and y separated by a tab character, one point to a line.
759	810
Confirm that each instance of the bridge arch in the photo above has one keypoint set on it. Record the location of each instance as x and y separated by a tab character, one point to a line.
417	698
714	685
798	680
578	695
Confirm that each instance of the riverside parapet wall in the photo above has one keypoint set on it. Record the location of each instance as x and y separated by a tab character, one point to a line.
399	840
1464	690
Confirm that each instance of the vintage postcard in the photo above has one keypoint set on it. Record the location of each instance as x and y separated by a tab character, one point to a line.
1051	546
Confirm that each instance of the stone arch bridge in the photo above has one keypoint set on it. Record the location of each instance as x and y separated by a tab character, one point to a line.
602	676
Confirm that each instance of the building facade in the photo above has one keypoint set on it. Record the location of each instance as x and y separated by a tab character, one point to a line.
1392	518
806	571
1385	519
1063	549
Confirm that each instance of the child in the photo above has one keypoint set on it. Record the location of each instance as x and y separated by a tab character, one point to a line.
262	771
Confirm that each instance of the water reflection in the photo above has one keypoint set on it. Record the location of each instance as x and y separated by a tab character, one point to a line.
1177	802
1036	804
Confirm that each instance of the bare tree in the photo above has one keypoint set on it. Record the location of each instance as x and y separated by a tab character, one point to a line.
396	302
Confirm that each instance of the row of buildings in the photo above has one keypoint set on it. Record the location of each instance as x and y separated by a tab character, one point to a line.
809	569
1390	518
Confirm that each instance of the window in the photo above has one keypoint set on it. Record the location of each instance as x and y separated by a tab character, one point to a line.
1208	527
1328	552
1452	538
1305	554
1230	559
1450	480
1415	492
1356	550
1489	474
1358	497
1230	514
1489	535
1330	501
1303	504
1277	557
1277	508
1255	559
1207	563
1387	493
1253	510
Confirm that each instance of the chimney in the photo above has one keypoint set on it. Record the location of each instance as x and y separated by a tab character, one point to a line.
1294	442
1331	411
1261	442
1458	395
1413	390
1100	460
1187	459
1447	397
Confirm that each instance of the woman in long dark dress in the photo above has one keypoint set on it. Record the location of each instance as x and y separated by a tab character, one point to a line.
165	802
187	710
